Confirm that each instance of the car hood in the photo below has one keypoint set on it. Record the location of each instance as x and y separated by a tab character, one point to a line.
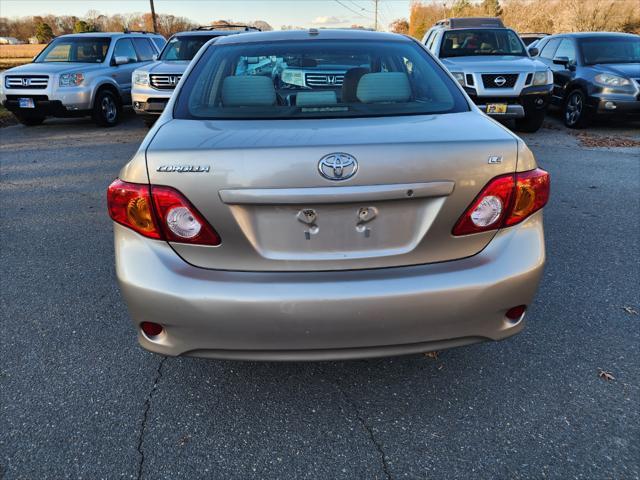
623	69
53	68
494	63
166	67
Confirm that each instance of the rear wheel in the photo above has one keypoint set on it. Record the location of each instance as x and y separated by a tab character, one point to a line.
106	109
29	120
531	122
575	110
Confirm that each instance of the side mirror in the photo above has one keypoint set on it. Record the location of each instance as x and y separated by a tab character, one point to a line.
561	61
154	57
120	60
533	51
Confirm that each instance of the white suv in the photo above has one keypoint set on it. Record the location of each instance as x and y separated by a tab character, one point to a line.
78	75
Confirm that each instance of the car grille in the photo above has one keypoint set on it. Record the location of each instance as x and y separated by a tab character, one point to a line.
324	79
489	80
29	82
164	82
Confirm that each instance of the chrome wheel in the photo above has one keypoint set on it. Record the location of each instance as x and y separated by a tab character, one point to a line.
573	110
109	108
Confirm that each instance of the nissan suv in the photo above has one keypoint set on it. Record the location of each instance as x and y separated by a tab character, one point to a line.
78	75
153	84
494	67
383	216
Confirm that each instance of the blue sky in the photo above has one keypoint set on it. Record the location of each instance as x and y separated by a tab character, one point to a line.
303	13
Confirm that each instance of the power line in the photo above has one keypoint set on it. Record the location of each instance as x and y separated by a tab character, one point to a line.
360	7
352	10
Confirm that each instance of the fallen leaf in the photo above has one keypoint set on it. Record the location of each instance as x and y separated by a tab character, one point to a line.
590	140
433	355
630	310
603	374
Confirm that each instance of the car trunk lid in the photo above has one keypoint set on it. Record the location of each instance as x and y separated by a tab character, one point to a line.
262	187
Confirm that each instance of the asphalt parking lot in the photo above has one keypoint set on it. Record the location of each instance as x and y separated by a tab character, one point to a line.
80	399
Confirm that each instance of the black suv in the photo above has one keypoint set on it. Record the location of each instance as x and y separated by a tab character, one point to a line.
593	74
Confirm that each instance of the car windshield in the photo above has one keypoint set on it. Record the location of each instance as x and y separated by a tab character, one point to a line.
77	50
610	50
183	48
324	78
482	41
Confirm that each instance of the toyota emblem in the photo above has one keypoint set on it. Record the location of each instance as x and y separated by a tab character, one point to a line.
338	166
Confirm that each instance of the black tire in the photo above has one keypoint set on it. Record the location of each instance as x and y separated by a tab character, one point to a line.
107	109
29	120
149	121
574	112
531	122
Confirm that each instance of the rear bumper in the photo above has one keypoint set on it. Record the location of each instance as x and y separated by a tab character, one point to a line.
328	315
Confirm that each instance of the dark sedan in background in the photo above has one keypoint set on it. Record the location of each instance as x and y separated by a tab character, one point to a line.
593	74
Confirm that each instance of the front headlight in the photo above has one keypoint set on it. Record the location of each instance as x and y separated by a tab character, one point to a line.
293	77
140	78
543	78
459	77
71	79
608	80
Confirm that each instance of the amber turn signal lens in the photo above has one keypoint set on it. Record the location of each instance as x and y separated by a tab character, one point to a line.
139	214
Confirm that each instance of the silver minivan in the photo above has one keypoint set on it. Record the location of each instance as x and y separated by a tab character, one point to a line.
377	212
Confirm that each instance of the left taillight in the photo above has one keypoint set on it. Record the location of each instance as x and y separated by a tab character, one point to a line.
159	212
505	201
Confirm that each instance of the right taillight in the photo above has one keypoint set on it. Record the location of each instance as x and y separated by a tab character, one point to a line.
505	201
158	212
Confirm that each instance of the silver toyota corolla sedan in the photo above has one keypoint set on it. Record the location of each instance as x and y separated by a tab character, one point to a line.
315	195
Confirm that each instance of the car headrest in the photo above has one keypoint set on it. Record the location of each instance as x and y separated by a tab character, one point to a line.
248	91
309	99
384	87
350	83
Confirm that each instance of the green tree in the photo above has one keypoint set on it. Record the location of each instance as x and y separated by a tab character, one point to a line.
44	34
81	27
492	8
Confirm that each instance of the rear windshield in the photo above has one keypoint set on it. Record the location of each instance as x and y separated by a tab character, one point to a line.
78	50
183	48
324	78
482	41
610	50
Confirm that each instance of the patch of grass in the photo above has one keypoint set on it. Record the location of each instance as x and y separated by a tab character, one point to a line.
24	50
6	63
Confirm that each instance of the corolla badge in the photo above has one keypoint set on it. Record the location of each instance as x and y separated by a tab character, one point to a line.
184	168
338	166
500	81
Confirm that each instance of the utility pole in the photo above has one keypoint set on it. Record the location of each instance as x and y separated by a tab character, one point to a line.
153	17
376	14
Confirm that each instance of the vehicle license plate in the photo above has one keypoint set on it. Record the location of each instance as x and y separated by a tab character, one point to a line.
497	108
26	103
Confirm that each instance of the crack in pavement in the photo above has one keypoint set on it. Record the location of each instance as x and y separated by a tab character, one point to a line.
147	407
368	429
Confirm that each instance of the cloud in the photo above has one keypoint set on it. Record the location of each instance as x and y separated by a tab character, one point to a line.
329	20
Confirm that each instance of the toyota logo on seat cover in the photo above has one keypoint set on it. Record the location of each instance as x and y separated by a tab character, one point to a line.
499	81
338	166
